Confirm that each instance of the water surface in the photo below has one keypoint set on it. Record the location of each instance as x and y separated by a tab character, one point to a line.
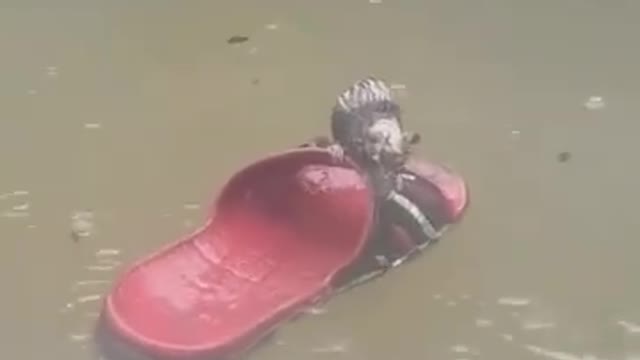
135	113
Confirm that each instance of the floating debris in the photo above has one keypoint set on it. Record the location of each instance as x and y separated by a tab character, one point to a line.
255	81
515	133
88	298
81	224
237	39
437	296
92	126
594	103
375	1
630	327
399	90
563	156
451	303
271	26
512	301
67	307
465	296
484	323
253	51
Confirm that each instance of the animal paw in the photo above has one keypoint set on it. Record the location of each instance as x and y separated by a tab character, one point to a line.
320	141
383	262
398	183
400	180
337	153
412	138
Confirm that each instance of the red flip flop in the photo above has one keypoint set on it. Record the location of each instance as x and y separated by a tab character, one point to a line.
282	230
285	232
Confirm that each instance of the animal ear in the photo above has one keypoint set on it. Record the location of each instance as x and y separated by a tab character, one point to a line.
413	138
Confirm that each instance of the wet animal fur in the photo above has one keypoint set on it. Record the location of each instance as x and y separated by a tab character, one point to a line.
358	109
367	123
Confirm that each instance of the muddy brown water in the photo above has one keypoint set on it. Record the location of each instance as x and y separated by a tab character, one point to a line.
138	111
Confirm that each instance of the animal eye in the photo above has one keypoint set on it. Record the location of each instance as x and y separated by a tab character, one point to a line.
372	134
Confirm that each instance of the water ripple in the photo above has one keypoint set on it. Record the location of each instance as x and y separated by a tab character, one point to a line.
514	301
558	355
338	347
630	327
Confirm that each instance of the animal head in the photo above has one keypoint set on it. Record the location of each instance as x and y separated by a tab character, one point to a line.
368	106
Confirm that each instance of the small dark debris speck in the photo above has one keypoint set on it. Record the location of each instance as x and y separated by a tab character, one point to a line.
564	156
255	81
237	39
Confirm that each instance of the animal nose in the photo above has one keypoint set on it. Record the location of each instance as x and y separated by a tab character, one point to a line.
394	159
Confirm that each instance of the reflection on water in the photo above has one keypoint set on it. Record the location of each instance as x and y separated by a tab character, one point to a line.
594	103
140	111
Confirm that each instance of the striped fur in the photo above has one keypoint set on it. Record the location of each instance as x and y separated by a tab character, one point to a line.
366	122
364	92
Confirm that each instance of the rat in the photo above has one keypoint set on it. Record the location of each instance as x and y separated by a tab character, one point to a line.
366	126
